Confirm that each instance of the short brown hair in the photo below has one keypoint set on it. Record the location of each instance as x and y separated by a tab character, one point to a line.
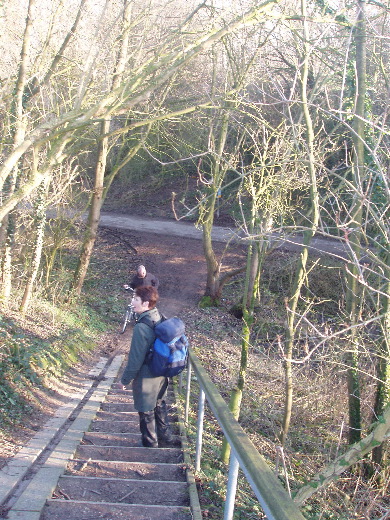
147	293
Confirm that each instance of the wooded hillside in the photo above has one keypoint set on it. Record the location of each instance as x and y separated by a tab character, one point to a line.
272	117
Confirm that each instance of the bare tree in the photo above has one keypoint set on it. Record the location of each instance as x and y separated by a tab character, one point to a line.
101	161
266	191
226	137
354	233
25	90
312	218
77	117
17	130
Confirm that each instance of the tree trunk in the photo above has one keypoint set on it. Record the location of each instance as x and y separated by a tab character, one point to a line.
313	219
354	293
250	291
355	453
100	168
6	264
40	223
217	174
94	212
382	395
213	266
18	132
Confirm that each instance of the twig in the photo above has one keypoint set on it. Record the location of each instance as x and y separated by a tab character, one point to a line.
60	492
85	464
127	494
340	438
281	451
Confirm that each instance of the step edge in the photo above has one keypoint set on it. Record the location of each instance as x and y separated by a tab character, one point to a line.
175	464
143	481
121	504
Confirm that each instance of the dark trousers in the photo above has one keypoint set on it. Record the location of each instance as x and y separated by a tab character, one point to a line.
147	425
154	426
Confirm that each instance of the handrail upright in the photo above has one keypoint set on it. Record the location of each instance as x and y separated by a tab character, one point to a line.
199	432
188	392
231	487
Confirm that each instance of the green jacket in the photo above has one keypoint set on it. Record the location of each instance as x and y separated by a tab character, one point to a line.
147	389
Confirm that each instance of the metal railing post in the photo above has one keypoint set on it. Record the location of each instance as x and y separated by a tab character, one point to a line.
231	488
199	433
188	391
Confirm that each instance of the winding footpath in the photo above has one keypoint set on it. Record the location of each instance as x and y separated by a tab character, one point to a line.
319	245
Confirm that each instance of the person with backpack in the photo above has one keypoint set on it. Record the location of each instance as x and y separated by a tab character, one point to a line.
149	391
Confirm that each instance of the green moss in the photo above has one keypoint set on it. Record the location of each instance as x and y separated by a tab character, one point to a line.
207	301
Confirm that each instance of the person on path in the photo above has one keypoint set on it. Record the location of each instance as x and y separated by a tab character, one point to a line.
148	391
142	278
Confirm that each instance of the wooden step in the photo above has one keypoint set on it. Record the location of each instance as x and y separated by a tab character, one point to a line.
130	454
125	491
119	439
125	415
118	401
111	439
71	510
115	426
124	469
122	426
114	407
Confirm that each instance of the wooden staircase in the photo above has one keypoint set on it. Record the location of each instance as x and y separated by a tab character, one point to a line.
112	477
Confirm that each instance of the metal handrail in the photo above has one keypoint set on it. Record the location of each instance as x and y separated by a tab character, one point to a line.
273	498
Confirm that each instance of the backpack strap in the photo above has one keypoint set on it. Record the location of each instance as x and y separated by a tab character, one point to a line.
148	320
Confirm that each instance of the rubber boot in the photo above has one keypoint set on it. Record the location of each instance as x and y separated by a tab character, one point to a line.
164	434
147	426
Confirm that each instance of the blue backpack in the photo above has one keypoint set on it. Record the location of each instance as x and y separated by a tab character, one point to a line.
169	353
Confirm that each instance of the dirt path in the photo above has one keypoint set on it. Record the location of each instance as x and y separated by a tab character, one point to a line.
178	262
171	228
173	251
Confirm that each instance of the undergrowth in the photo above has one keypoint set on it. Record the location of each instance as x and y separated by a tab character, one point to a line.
55	334
318	430
30	359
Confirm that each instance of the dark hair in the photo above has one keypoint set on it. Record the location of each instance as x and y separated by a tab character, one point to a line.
147	293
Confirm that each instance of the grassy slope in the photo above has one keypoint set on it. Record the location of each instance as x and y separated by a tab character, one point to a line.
44	347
